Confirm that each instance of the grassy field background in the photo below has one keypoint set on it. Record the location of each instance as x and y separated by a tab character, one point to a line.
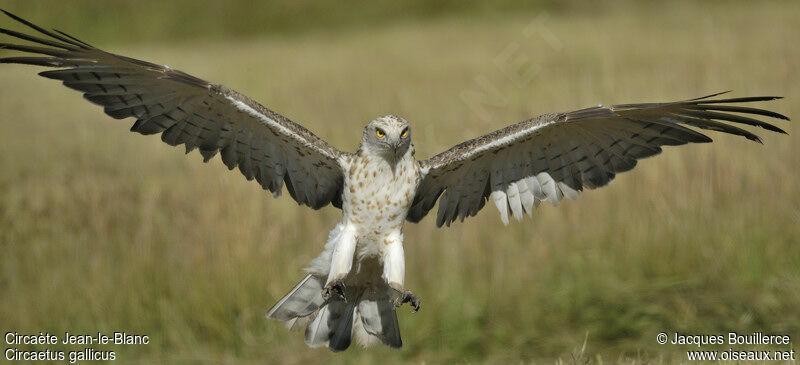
104	230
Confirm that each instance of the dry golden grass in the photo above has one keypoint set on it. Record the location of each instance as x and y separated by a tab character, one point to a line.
103	230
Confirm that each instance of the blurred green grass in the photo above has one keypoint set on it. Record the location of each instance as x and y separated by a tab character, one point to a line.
188	19
103	230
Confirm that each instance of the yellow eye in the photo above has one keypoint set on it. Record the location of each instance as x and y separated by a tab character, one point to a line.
405	133
380	133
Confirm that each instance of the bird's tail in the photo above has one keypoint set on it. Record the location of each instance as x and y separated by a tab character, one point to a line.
368	314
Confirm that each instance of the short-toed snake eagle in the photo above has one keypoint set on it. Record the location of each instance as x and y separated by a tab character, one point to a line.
354	286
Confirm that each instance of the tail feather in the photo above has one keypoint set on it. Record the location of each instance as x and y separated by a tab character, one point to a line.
380	319
302	300
341	337
318	331
332	326
368	314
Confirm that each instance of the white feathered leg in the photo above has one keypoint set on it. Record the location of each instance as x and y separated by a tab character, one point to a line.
341	260
394	270
394	262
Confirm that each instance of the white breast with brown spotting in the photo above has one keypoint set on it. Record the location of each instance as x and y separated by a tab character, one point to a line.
377	196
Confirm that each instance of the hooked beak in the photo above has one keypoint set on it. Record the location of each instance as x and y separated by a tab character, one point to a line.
396	145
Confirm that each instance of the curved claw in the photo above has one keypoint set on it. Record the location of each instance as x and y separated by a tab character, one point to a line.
409	297
334	287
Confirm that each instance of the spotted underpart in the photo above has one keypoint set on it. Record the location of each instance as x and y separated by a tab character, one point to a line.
379	189
361	271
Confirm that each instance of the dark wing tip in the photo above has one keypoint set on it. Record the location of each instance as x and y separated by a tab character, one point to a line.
779	115
754	138
775	129
746	99
702	99
68	40
711	95
73	38
703	139
17	18
34	61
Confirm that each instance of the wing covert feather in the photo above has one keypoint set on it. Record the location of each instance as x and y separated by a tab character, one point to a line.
556	156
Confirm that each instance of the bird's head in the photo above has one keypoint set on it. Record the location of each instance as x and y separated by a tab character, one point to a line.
388	136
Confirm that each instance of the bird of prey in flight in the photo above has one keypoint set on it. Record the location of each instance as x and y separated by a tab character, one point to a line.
354	286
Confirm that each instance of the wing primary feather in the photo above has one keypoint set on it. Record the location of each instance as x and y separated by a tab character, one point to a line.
740	100
707	114
44	61
711	125
34	49
738	109
42	30
31	38
711	95
73	38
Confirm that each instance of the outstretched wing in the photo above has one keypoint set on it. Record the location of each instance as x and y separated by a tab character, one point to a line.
557	155
187	110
